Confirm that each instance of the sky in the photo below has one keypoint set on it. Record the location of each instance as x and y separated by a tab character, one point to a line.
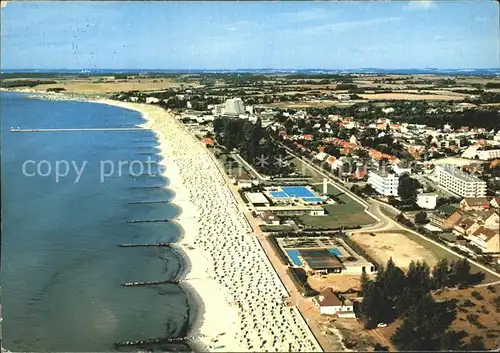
252	35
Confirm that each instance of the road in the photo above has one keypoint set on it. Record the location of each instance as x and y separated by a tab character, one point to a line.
385	223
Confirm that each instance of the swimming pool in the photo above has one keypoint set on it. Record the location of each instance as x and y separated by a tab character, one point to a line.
335	252
279	194
294	256
297	191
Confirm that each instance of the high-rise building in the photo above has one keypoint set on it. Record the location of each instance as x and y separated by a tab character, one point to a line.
234	107
383	182
459	182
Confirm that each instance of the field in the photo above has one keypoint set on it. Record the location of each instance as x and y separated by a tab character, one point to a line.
337	282
409	96
348	214
111	86
403	250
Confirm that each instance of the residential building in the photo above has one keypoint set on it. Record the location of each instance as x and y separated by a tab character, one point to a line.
483	154
474	203
330	304
495	202
257	199
486	239
270	218
453	219
234	107
441	216
459	182
427	201
383	182
466	225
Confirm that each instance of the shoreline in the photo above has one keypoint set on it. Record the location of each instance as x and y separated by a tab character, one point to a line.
199	286
241	294
238	295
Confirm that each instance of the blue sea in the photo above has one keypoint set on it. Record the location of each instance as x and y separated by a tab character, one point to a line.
62	267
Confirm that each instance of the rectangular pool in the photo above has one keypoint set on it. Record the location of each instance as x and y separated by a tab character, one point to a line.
298	191
294	256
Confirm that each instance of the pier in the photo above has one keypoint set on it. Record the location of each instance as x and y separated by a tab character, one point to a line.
145	245
82	129
156	341
149	220
148	202
149	283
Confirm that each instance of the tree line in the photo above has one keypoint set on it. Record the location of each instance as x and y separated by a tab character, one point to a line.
394	294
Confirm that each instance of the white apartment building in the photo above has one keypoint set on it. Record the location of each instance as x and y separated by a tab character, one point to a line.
475	152
234	107
460	183
427	201
384	183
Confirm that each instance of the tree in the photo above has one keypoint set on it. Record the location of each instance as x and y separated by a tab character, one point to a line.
476	344
394	282
379	348
461	272
421	217
419	285
451	340
423	326
365	282
407	188
441	274
375	307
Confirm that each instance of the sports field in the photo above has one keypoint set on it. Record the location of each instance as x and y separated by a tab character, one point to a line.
400	248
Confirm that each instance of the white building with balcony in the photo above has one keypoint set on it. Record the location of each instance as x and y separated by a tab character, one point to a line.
383	182
459	182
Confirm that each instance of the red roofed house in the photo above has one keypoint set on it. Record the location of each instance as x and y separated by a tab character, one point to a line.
330	304
308	137
208	141
486	239
495	202
474	203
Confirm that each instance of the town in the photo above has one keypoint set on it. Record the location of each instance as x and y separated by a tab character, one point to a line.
366	191
353	175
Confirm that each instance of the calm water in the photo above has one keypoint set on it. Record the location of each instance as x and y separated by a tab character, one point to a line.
61	264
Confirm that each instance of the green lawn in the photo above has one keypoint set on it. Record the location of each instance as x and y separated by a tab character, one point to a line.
348	214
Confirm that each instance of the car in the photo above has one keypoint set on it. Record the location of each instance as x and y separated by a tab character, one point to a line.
381	324
373	234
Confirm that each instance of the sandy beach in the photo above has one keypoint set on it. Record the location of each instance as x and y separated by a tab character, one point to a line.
242	305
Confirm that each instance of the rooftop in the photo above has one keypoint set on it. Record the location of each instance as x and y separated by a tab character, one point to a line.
319	259
382	173
256	197
452	170
328	298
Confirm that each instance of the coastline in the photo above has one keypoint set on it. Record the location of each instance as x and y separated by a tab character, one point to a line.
237	292
241	307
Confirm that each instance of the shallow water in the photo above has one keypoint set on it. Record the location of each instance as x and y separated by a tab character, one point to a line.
61	264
